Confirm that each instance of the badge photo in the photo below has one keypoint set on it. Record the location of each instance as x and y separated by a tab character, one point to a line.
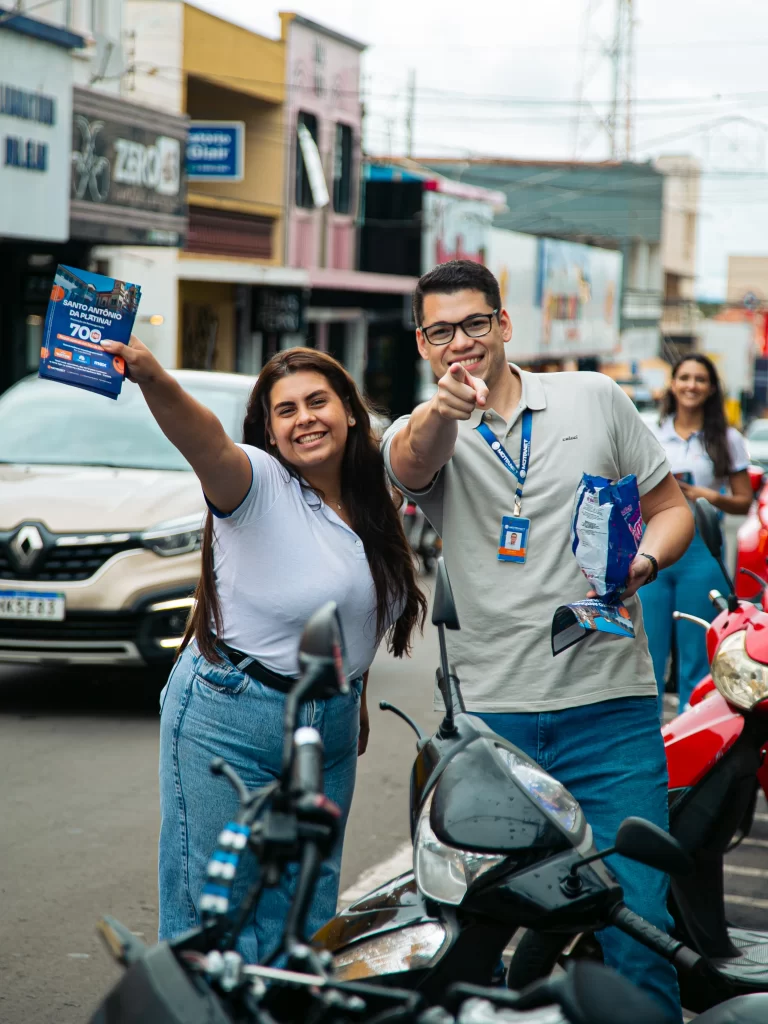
513	542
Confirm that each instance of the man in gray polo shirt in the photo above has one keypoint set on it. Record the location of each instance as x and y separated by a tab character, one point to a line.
588	716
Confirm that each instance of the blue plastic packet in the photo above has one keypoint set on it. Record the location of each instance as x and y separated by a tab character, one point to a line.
84	310
606	527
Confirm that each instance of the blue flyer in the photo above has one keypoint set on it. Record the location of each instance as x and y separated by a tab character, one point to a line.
84	310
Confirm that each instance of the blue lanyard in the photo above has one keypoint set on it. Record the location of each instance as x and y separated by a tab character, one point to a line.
519	472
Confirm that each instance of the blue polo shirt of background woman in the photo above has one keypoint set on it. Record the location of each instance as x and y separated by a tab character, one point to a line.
709	460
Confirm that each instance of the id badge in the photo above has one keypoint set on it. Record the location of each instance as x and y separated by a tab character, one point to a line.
513	543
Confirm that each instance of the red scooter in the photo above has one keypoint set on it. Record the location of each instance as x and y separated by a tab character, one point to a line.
716	755
752	541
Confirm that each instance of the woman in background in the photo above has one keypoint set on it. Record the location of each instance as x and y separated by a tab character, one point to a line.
709	460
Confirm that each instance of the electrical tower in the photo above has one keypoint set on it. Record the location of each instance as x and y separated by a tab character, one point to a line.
604	92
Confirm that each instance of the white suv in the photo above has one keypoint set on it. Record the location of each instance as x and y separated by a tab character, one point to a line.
100	521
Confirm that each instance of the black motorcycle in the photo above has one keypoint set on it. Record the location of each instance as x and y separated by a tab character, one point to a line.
200	978
498	845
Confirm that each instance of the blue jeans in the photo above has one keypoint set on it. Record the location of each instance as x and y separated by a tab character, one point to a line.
683	586
610	756
212	711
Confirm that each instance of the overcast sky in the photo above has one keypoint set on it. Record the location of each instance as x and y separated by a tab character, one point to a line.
699	85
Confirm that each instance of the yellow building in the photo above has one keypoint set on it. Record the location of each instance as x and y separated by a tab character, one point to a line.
212	300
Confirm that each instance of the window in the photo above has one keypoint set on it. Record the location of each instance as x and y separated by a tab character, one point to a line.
342	169
303	189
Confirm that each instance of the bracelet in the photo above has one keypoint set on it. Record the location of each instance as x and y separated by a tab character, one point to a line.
654	566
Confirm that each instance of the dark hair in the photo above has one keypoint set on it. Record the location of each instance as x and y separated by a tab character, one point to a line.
715	427
372	508
455	276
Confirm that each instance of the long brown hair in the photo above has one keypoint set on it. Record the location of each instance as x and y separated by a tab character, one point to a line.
715	428
365	492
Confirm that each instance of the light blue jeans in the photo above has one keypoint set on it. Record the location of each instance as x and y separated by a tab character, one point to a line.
610	756
212	711
684	587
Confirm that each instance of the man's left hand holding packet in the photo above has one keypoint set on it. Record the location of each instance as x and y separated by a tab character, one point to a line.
85	312
606	528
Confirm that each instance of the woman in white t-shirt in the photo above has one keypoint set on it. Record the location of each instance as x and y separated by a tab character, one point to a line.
300	514
709	460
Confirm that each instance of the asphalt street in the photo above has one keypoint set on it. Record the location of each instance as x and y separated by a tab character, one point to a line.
78	761
78	834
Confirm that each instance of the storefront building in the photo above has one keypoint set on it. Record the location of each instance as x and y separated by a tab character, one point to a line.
35	128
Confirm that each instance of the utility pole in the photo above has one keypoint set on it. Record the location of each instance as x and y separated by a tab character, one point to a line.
607	52
410	112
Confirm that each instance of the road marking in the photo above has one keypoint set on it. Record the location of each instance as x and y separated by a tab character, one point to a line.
761	817
747	901
754	842
737	869
400	861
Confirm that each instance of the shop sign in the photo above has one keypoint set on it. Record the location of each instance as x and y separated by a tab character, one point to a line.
35	105
279	310
216	151
454	229
127	175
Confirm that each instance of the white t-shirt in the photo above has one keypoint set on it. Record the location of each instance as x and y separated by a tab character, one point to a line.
690	456
277	558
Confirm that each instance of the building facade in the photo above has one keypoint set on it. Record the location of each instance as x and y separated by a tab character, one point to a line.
36	76
611	205
680	313
79	165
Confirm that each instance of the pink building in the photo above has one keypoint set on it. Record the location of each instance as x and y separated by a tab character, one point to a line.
323	119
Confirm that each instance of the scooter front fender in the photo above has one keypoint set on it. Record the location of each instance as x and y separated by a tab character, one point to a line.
698	738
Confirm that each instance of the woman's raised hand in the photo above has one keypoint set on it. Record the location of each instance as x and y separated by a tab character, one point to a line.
140	365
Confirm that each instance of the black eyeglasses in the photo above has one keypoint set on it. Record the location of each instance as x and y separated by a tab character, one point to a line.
475	326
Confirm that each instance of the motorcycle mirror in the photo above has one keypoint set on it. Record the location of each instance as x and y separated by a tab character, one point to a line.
708	525
444	607
645	842
322	661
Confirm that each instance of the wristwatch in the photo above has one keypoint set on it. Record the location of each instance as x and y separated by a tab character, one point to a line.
654	567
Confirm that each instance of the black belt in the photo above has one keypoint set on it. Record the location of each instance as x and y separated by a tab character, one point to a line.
255	669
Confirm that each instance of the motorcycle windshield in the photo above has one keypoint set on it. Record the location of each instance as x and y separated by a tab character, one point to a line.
491	798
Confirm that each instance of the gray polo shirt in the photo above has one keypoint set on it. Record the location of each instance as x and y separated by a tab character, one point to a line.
582	423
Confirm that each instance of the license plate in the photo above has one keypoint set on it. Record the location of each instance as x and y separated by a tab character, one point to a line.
31	606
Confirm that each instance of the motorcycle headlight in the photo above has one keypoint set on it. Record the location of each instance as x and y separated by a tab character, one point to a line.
742	681
404	949
551	795
444	873
175	537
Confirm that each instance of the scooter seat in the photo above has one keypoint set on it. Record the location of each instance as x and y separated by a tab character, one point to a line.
750	967
752	944
742	1010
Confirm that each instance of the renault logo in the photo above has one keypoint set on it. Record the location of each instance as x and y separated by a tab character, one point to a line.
26	546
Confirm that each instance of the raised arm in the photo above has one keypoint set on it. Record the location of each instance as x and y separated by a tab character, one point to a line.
223	469
426	443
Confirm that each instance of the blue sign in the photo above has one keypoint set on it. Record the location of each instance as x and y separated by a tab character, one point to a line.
216	151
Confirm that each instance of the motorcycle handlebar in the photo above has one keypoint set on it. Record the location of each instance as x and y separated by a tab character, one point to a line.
307	767
654	938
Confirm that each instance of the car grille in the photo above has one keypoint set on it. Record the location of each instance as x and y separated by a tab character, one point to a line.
63	564
76	626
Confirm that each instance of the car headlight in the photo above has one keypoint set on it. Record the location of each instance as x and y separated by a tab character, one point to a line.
742	681
175	537
444	873
551	795
404	949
